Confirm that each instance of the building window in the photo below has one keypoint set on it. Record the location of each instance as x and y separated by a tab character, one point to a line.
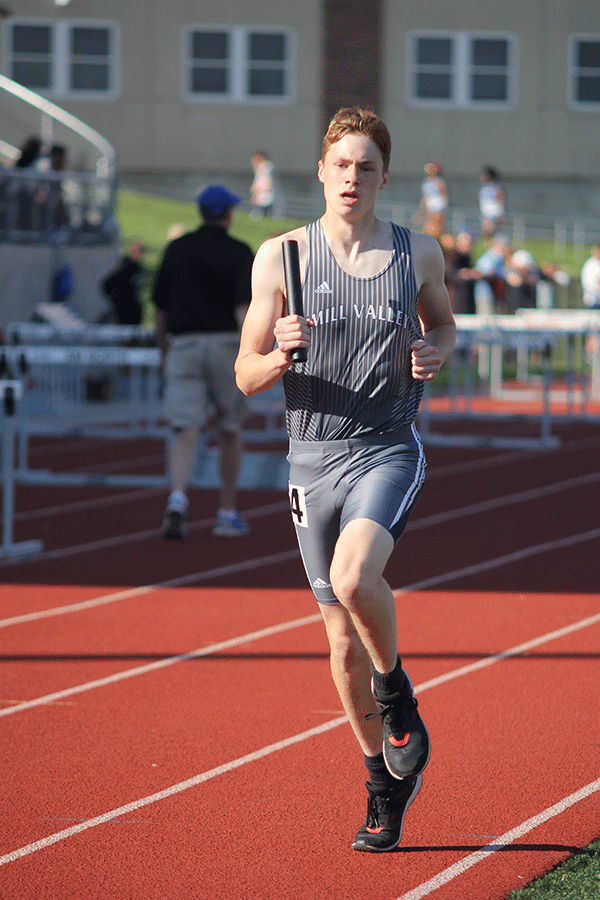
266	65
238	64
585	72
461	69
31	53
209	62
64	59
90	59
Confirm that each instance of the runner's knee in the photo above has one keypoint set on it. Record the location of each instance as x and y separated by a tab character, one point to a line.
347	651
349	583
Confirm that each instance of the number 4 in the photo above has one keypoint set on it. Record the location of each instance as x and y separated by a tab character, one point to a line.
298	506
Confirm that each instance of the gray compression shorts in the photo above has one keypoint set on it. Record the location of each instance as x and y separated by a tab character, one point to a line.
333	482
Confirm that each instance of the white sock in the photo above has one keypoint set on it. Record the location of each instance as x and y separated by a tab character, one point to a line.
178	500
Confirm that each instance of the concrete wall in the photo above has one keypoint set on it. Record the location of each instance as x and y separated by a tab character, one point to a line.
26	277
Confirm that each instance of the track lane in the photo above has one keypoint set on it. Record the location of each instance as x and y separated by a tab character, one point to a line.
475	773
195	842
444	578
471	474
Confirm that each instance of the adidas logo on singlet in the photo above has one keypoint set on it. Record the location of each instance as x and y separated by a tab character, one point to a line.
323	288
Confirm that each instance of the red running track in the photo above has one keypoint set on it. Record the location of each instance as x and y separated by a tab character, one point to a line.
170	728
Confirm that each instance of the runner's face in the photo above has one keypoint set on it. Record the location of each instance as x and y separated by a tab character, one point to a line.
352	174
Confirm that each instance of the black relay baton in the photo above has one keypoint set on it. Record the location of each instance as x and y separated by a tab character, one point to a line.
293	287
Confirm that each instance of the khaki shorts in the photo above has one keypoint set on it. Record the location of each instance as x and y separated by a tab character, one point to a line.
200	380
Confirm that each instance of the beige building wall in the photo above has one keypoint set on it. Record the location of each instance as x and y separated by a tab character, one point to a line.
540	135
155	128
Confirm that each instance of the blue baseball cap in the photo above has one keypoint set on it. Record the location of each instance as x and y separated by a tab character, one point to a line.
216	199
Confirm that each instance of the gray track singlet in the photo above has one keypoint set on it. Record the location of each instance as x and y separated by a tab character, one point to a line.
357	380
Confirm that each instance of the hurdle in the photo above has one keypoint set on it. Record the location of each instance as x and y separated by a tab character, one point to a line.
10	397
100	392
488	338
572	325
84	334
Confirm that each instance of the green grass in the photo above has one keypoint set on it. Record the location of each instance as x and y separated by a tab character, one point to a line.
148	218
576	879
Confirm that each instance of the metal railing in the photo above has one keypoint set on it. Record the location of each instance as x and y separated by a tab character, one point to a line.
29	198
572	232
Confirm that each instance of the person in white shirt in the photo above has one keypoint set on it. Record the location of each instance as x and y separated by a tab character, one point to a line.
590	279
491	203
262	191
434	200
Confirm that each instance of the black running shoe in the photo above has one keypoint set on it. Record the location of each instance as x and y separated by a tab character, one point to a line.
406	742
174	525
382	829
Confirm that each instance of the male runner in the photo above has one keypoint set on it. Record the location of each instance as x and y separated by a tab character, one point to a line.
377	323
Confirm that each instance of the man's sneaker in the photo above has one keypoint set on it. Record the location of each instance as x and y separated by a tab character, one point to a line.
230	524
406	742
174	526
382	829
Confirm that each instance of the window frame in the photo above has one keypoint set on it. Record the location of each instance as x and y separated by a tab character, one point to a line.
461	69
239	65
62	58
574	71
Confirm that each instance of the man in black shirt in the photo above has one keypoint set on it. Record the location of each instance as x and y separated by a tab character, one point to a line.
201	294
123	285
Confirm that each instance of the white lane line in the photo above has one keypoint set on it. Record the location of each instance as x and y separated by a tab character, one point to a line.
452	469
77	607
485	506
213	648
307	735
517	556
128	593
436	519
459	868
441	471
170	791
132	538
63	509
162	663
513	651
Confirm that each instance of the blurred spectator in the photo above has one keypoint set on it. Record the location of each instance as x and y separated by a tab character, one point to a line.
434	200
461	274
262	190
21	191
175	231
201	292
447	243
62	285
53	214
550	277
30	152
491	202
123	287
491	285
590	279
522	277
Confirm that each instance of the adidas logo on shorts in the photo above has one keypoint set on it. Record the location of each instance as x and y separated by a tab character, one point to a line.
319	584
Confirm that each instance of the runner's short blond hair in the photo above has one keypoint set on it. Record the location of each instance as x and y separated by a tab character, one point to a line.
355	120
